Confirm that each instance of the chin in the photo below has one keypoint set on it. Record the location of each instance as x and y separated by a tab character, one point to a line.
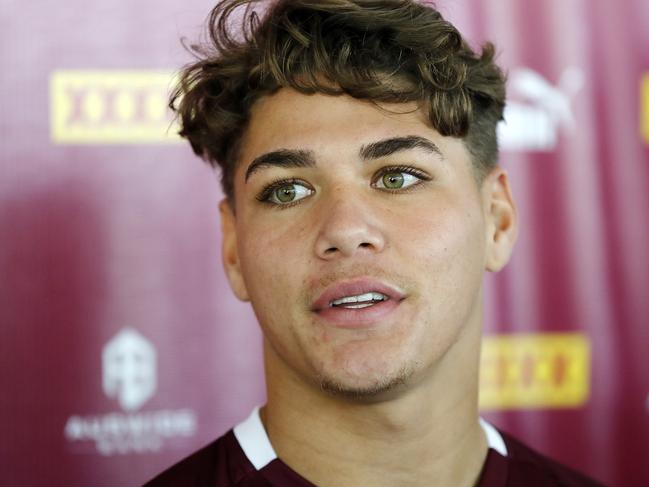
367	388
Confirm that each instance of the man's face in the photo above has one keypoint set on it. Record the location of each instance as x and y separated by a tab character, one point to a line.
360	237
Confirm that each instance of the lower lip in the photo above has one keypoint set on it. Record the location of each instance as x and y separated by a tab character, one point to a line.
370	316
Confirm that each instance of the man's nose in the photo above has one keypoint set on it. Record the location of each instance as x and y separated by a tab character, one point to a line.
349	225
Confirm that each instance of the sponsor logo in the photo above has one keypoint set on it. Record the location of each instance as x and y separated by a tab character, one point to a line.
130	107
129	369
538	110
644	107
111	107
129	373
117	433
535	371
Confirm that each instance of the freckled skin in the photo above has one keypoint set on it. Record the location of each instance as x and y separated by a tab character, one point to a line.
429	241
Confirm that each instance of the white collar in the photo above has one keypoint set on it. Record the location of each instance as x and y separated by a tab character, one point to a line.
254	441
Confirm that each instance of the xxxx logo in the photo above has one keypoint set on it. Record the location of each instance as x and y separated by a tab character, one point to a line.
535	370
121	107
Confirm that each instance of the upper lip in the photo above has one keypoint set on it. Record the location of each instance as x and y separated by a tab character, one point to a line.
355	287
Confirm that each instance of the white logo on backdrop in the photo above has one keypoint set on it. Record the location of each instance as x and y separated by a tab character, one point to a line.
129	368
539	110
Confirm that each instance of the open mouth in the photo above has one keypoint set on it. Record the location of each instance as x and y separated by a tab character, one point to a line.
359	301
363	302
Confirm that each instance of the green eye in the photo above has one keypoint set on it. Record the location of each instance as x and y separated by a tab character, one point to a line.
399	178
286	193
393	180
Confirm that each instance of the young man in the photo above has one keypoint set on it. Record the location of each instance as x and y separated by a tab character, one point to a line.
357	142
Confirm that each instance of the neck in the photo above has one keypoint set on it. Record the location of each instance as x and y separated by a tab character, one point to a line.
426	434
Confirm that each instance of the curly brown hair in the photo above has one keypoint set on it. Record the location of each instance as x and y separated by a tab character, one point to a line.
390	51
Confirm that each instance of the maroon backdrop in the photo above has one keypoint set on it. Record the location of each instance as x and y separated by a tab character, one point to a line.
122	348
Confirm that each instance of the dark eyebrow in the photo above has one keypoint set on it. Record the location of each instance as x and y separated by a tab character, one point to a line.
281	158
306	158
389	146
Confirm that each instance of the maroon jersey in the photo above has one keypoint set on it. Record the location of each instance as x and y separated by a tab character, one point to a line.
244	457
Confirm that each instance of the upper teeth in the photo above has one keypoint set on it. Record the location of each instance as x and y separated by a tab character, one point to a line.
360	300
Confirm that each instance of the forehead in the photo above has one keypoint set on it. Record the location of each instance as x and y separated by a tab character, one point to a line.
325	124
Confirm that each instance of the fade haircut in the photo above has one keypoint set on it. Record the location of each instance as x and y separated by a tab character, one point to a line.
383	51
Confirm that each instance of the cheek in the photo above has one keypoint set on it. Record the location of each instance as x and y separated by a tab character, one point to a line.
445	228
447	246
272	262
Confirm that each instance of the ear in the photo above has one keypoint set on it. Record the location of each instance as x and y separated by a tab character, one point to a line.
501	219
230	251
